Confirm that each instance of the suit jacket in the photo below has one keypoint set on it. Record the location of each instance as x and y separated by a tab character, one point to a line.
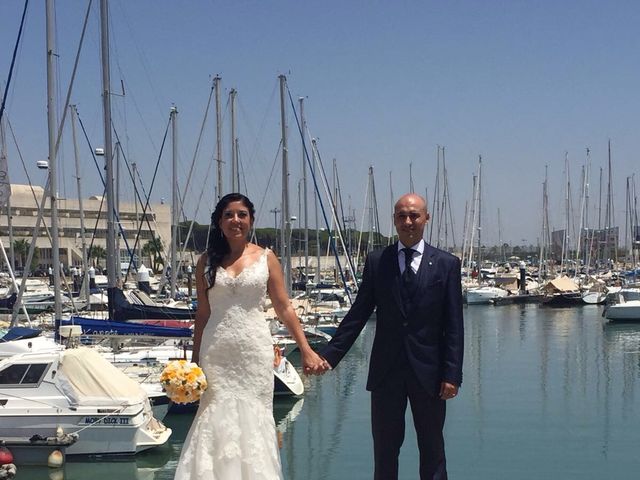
431	331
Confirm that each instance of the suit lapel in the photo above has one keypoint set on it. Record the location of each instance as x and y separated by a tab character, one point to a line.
427	262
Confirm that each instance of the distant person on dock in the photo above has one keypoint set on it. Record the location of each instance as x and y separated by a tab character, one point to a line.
418	347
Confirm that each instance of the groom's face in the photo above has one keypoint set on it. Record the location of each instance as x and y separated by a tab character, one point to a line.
410	217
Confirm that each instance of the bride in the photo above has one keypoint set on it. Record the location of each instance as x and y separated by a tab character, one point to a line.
233	433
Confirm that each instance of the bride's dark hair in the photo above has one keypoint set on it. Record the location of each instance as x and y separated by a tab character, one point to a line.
218	246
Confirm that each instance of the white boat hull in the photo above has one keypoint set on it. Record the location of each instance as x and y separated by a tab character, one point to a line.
122	434
484	295
80	393
627	311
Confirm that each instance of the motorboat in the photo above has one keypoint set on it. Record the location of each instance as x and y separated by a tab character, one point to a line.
25	340
626	307
77	391
485	294
287	381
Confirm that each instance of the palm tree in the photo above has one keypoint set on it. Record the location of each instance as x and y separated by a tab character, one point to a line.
153	249
97	253
21	249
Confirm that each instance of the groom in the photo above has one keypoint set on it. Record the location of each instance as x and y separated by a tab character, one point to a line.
418	346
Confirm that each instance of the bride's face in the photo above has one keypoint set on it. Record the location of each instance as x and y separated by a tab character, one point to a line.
236	221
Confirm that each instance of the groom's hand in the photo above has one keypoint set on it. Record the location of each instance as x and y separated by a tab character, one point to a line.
448	390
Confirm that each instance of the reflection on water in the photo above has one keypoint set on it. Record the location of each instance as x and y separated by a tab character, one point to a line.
547	393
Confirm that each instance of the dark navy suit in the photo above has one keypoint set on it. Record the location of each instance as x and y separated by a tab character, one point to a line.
418	344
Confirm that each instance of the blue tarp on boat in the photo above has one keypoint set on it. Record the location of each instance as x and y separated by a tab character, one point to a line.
91	326
19	333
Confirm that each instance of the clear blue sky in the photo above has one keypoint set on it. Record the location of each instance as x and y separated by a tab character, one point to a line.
517	82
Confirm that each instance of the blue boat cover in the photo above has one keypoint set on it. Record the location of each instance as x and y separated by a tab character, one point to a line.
19	333
92	326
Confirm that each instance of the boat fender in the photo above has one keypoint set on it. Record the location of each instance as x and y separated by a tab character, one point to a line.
6	457
56	459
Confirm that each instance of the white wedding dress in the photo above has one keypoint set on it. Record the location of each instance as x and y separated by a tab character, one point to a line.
233	435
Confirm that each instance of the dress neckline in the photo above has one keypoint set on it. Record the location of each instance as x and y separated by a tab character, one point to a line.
251	265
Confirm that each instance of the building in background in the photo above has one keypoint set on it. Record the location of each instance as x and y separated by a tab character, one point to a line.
156	223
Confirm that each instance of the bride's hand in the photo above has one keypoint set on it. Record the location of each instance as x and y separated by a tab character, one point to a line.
314	364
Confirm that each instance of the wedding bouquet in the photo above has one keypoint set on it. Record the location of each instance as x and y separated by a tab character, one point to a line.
183	382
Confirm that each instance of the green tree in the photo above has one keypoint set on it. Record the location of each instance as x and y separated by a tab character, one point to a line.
21	251
97	253
153	249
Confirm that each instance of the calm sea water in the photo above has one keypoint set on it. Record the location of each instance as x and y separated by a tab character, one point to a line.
547	393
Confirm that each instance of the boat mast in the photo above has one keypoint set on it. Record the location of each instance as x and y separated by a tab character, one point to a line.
53	181
479	215
314	146
5	185
216	84
565	234
83	239
235	176
435	209
285	219
609	218
303	124
175	207
108	153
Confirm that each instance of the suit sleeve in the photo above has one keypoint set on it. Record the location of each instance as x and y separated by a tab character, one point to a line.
453	335
355	320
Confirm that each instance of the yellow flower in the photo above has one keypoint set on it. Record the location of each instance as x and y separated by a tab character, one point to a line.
183	381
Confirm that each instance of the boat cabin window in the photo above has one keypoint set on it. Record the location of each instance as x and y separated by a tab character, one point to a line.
23	374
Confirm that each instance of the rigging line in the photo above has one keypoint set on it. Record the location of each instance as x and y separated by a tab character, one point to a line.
13	58
32	246
200	135
71	83
273	168
148	197
144	62
333	212
104	188
204	184
95	227
328	192
35	198
364	211
242	171
264	119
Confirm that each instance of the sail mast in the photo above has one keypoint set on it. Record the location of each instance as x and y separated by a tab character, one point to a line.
305	195
216	83
108	153
285	219
175	207
53	181
235	177
83	238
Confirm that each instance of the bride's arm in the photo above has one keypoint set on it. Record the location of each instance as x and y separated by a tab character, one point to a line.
311	361
203	311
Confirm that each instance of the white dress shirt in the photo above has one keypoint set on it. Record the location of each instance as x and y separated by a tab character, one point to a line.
417	256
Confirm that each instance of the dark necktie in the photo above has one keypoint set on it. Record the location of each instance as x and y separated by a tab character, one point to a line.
408	276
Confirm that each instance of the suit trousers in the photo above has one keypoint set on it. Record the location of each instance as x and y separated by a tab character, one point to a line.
388	407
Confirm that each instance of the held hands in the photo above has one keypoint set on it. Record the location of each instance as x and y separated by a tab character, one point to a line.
314	364
448	390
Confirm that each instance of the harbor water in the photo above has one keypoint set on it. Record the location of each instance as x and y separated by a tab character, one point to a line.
547	393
